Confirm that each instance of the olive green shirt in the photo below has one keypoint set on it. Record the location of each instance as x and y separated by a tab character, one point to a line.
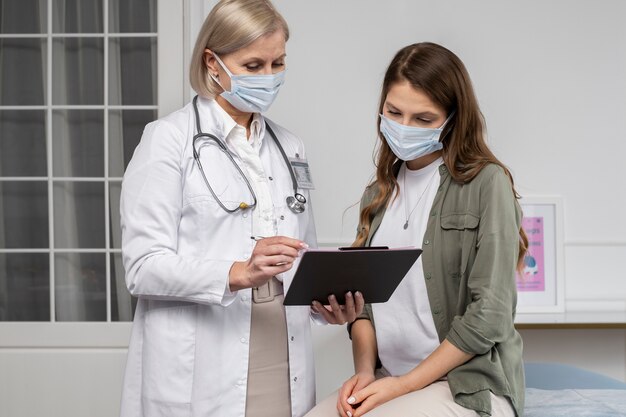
471	246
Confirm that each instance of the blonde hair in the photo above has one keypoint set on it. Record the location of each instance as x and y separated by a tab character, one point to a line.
230	26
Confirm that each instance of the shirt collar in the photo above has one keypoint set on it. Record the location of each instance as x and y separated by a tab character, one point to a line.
225	125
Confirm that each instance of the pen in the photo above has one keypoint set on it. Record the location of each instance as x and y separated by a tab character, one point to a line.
257	238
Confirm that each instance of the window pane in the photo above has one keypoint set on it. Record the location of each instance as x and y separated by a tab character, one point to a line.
78	71
24	208
24	287
115	190
132	16
23	143
80	287
77	16
122	303
132	71
125	130
22	84
79	214
23	16
78	143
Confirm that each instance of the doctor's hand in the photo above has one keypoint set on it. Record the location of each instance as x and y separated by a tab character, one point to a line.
271	256
334	313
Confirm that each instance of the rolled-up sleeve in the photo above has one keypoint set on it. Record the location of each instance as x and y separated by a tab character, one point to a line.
489	316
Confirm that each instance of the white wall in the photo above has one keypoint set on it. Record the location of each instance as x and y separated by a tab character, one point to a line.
61	382
550	81
550	78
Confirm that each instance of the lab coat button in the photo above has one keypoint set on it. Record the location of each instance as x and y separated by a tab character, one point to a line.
244	215
243	340
244	298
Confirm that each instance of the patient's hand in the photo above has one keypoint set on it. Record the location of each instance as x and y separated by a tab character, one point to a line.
334	313
375	394
351	386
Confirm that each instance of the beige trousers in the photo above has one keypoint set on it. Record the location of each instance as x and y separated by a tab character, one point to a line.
268	369
433	401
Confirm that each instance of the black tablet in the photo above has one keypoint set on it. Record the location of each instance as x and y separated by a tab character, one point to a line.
374	271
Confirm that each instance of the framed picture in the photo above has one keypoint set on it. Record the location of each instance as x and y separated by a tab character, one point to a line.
540	286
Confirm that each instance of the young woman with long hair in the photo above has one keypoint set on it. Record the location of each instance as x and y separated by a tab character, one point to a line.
445	343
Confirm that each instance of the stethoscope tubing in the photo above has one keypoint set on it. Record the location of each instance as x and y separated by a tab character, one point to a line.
295	202
196	156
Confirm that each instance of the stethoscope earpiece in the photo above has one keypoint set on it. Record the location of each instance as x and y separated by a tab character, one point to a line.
296	203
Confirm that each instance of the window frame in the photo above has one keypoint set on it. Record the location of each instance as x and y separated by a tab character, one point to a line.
172	43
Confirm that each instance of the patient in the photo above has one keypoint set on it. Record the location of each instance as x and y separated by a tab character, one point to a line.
446	339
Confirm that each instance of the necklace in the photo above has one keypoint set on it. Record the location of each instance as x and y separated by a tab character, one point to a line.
406	200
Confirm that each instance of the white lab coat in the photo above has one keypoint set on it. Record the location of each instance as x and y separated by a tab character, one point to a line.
188	353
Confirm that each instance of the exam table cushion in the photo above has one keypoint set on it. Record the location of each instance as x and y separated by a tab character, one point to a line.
575	403
554	376
557	390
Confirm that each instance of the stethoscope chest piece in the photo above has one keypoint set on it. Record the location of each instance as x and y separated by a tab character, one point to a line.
296	203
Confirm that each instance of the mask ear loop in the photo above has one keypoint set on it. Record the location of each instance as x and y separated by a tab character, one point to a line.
447	120
214	78
442	137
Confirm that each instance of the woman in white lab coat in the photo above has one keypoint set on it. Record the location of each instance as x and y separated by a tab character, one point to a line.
213	219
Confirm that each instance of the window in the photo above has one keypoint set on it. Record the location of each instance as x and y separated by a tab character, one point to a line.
78	83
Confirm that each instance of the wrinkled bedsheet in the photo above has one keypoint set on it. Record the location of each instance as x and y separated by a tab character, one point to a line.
575	403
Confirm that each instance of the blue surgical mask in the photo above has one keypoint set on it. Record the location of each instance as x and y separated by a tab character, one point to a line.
408	142
251	93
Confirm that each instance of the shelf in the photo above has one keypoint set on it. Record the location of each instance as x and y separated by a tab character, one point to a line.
572	320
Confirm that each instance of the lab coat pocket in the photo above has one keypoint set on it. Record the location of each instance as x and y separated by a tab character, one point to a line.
459	231
169	351
216	184
195	185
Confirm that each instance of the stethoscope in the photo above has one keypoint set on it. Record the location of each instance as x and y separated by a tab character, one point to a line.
295	202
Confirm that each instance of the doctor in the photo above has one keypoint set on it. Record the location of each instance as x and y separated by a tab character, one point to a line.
215	211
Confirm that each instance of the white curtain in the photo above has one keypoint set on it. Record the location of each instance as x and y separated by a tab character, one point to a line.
22	82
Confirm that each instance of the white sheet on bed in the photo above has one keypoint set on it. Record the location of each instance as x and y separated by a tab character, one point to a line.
575	403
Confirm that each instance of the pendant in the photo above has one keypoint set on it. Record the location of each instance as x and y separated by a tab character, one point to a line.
406	225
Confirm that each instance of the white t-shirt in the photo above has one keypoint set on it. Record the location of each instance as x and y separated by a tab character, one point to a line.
405	330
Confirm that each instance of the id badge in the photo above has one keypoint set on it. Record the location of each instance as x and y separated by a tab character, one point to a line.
302	172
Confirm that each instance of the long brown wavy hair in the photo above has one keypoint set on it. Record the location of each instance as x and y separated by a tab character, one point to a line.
441	75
